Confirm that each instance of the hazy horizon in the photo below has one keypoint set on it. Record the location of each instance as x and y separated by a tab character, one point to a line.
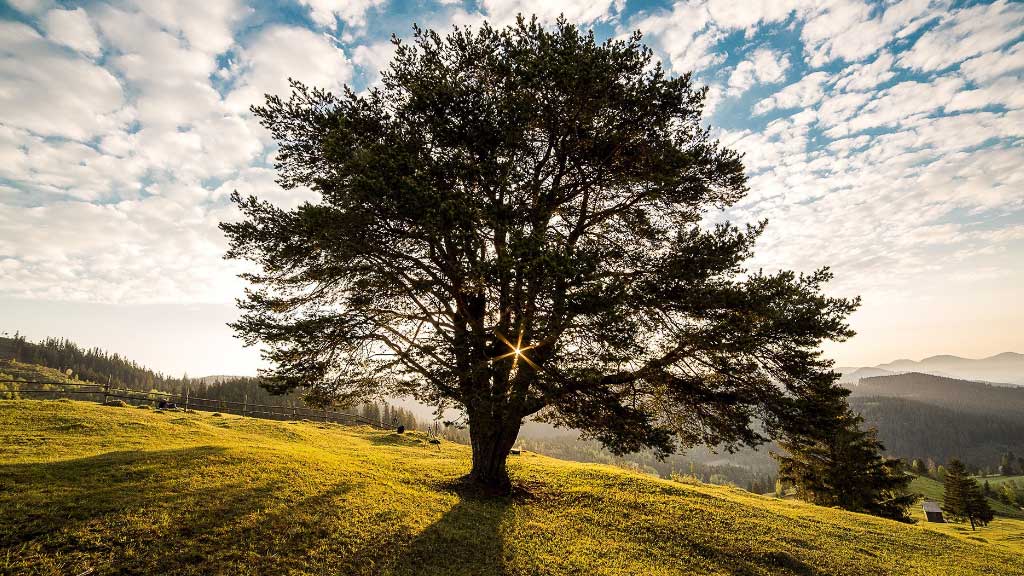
884	141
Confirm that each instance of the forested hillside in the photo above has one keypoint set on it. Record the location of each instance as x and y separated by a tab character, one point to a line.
912	429
932	417
20	358
960	395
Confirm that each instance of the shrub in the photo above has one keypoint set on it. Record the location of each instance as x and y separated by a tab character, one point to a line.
117	403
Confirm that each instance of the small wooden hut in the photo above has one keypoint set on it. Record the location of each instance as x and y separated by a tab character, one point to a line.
932	511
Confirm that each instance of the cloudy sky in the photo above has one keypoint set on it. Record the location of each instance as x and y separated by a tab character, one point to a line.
881	138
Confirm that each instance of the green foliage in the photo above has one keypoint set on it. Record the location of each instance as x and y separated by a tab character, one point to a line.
512	224
925	416
963	498
833	462
136	492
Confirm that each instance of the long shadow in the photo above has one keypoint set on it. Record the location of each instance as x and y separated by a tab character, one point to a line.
466	540
147	512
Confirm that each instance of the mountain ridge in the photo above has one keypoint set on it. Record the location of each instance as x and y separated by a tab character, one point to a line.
1002	368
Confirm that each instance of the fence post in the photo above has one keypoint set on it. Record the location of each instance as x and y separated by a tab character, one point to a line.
106	388
186	398
245	402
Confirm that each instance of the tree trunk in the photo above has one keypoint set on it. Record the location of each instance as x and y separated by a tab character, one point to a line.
491	443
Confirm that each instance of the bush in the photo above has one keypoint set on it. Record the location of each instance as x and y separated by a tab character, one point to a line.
117	403
144	407
217	414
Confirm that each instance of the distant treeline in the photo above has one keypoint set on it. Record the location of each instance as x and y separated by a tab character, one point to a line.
102	367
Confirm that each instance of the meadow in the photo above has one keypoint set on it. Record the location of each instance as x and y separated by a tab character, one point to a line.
128	490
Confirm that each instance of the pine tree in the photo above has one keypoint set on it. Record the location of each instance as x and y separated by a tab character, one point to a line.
963	498
977	505
833	462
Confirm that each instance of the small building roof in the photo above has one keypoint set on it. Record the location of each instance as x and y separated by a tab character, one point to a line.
930	506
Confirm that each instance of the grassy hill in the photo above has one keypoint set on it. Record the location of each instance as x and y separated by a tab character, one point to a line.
933	490
997	480
14	370
126	490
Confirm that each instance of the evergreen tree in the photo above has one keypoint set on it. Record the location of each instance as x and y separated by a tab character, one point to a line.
977	506
963	498
833	462
512	224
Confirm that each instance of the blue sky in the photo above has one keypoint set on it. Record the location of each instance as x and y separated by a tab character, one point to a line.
882	138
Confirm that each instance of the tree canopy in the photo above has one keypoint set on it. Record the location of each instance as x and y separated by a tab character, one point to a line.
832	461
962	498
520	222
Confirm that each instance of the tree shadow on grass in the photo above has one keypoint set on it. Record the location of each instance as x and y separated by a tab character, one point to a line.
142	512
466	540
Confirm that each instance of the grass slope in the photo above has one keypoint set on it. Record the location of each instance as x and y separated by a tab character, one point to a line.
998	480
932	489
14	370
131	491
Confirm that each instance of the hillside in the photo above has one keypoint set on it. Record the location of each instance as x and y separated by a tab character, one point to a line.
933	490
960	395
911	428
138	491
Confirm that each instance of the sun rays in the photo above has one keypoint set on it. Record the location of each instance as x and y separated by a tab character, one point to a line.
516	351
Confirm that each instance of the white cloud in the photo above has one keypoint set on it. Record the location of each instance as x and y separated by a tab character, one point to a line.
279	52
1006	91
994	64
852	30
73	29
733	14
31	6
59	94
373	59
765	66
807	91
965	33
866	76
682	34
351	12
900	104
578	11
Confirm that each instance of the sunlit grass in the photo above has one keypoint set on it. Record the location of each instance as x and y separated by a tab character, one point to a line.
124	490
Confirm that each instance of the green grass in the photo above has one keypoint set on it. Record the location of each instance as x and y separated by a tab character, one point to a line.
128	491
997	480
12	369
933	490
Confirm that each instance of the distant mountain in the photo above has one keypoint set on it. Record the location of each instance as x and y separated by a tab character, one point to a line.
853	375
1005	368
959	395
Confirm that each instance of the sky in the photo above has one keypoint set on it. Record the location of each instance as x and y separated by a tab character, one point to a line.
883	139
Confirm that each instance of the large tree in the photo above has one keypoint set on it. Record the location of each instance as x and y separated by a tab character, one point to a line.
519	222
